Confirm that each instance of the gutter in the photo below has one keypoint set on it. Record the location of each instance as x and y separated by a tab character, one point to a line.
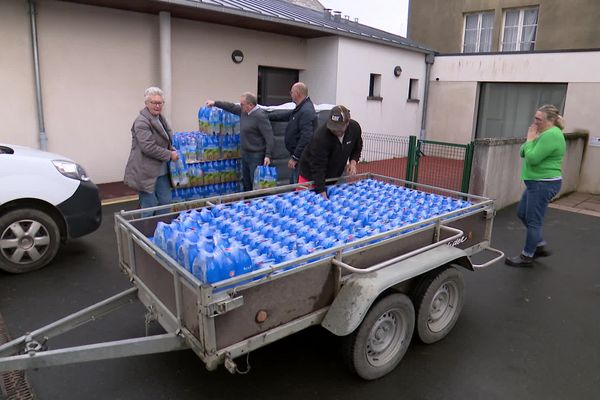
42	137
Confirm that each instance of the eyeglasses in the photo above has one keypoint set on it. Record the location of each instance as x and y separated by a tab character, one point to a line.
157	103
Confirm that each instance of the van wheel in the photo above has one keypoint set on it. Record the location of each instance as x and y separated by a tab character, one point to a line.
376	347
29	239
439	299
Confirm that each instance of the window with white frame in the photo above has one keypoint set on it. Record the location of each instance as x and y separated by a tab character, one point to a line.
520	29
477	36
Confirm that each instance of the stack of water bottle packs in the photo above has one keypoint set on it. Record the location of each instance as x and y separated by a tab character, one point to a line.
208	157
230	240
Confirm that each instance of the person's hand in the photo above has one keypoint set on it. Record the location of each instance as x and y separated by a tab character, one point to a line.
174	155
324	194
266	161
292	163
352	168
532	132
210	103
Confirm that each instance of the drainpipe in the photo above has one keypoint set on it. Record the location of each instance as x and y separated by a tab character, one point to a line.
429	59
165	61
43	139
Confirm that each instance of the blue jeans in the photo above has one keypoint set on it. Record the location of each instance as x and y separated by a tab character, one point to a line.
161	195
532	209
249	163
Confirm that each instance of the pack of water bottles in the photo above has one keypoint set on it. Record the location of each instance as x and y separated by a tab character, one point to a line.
201	192
229	240
265	177
209	156
215	121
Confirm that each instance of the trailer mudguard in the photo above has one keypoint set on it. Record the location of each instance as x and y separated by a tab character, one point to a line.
360	291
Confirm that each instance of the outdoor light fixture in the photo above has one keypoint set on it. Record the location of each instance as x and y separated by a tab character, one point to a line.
237	56
397	71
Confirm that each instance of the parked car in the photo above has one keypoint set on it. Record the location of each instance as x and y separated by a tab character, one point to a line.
45	199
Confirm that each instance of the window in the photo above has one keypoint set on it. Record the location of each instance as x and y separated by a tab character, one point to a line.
375	87
478	32
520	28
413	90
506	109
274	85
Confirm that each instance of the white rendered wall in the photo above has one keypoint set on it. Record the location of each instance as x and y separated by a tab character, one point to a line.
393	115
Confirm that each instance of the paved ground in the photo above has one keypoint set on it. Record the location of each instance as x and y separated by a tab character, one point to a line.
583	203
524	333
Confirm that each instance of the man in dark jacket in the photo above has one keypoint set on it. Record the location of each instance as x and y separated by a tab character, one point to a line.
302	122
332	145
147	169
256	135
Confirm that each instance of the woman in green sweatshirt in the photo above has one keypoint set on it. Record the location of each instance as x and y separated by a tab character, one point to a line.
542	155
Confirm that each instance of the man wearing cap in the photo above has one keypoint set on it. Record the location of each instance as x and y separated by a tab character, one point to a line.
332	146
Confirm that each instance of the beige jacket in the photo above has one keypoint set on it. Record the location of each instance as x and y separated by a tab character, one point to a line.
150	147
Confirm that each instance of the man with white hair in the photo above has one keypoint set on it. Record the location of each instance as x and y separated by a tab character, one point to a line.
147	169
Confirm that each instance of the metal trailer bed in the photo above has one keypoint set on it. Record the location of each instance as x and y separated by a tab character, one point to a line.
374	296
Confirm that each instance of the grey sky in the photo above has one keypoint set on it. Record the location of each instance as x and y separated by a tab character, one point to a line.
388	15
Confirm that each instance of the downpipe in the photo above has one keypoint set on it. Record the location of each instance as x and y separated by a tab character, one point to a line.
42	137
429	60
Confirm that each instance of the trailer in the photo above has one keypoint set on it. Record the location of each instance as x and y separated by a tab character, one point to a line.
375	293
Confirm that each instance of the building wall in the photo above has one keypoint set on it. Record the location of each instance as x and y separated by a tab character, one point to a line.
321	69
393	115
202	66
439	24
97	61
18	115
454	86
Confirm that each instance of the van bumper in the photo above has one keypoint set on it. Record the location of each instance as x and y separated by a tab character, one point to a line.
82	211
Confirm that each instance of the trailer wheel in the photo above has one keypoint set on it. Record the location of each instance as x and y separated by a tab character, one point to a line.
29	239
376	347
439	299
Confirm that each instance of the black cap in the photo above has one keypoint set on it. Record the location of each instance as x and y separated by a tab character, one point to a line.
338	117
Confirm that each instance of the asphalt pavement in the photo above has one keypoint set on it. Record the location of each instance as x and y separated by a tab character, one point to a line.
524	333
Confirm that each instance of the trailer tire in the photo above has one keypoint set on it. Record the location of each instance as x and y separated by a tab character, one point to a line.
376	347
438	300
29	239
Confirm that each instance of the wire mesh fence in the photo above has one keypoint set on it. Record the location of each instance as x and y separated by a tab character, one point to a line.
384	155
445	165
441	164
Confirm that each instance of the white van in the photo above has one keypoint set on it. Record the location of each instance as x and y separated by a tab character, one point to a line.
45	199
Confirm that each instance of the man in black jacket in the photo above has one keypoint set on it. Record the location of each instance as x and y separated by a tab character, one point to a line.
332	145
302	122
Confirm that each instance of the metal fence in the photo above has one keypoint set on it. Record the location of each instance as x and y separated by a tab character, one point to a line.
445	165
384	155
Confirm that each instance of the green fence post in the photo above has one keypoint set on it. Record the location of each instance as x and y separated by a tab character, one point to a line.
468	163
410	160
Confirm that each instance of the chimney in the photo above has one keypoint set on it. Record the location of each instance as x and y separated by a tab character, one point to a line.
356	20
337	16
346	18
327	13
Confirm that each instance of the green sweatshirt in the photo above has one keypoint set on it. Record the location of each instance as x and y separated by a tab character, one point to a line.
542	157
